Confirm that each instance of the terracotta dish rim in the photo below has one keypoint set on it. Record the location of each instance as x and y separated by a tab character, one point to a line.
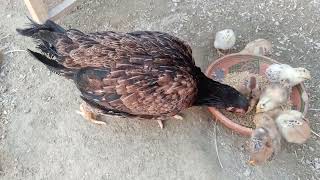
242	130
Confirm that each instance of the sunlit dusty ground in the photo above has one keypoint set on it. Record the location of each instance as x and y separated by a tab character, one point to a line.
43	137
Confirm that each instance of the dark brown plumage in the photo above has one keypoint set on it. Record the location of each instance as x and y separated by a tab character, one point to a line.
146	74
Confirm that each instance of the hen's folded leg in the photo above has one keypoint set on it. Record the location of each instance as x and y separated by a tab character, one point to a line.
88	114
179	117
160	123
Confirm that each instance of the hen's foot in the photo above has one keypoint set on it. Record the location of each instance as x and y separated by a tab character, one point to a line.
160	123
179	117
89	115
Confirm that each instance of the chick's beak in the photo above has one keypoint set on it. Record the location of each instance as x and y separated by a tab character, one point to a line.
258	109
307	76
252	162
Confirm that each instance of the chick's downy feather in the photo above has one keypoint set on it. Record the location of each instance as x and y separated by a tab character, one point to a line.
272	97
293	126
225	39
265	140
277	73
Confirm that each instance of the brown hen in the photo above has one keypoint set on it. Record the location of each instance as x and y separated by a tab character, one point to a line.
151	75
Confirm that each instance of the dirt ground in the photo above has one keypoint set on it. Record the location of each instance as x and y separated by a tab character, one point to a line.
43	138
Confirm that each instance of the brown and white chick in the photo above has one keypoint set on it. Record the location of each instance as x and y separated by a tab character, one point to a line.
224	40
251	89
277	73
293	126
265	140
274	96
259	47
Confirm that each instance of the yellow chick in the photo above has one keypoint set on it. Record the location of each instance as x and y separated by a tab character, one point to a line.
274	113
265	140
277	73
272	97
224	40
293	126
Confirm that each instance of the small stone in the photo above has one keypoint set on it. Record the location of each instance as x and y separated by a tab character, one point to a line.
176	1
317	165
277	54
277	23
308	162
311	148
27	110
175	4
247	172
9	15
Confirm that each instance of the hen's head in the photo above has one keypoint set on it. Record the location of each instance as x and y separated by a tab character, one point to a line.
215	94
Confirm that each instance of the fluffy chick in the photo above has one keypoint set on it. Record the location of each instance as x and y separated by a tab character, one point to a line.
272	97
260	47
251	89
265	140
260	146
283	72
293	126
249	84
224	40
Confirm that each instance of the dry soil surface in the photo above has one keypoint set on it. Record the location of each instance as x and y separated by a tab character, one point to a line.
43	138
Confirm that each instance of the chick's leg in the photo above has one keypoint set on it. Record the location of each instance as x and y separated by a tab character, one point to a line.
85	111
220	54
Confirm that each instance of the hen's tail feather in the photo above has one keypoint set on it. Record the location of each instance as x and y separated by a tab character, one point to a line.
53	65
46	33
35	28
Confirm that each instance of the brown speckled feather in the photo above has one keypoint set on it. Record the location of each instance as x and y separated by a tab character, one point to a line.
141	73
145	74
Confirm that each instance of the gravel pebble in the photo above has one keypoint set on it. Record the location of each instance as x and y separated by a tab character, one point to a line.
247	172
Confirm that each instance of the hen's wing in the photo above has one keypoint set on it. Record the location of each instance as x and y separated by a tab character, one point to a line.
141	73
76	49
133	91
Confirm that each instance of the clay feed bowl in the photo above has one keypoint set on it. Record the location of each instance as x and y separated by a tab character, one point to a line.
254	64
